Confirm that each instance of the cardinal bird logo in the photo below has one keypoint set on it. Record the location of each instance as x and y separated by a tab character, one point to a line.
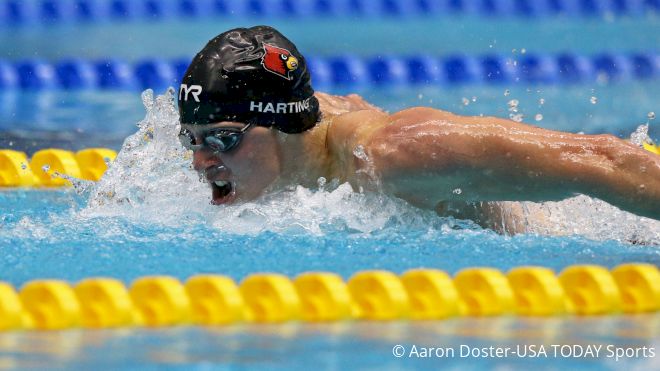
279	61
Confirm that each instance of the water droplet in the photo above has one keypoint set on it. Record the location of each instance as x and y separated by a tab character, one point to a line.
23	165
457	191
518	117
513	105
507	92
45	168
651	116
593	100
465	101
11	144
538	117
640	135
359	153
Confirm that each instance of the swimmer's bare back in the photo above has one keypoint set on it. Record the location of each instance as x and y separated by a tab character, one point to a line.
429	157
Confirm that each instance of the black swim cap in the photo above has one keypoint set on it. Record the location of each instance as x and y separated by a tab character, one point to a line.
252	75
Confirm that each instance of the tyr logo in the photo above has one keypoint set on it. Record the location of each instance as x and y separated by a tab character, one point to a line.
195	90
279	61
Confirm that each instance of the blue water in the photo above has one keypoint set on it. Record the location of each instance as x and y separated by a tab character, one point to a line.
338	36
338	346
169	228
44	238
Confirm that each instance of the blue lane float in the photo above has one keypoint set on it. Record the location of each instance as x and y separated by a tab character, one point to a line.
348	70
17	12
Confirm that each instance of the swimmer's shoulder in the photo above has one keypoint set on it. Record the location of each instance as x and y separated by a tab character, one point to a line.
359	124
356	124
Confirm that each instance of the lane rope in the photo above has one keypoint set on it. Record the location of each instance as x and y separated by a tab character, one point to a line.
373	295
347	70
46	12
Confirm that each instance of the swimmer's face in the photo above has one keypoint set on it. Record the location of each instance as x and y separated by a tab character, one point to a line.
241	173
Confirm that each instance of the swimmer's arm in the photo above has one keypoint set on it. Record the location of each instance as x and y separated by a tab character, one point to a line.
430	156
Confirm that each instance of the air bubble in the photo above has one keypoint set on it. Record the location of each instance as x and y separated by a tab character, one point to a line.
541	101
457	191
507	92
651	115
538	117
593	100
465	101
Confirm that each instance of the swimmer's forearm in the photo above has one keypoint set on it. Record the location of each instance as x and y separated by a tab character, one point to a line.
629	178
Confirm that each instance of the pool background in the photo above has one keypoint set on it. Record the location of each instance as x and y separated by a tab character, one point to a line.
55	234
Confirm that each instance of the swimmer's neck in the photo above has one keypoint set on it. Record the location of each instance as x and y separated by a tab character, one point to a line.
305	156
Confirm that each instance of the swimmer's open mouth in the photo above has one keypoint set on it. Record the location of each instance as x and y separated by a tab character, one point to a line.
223	192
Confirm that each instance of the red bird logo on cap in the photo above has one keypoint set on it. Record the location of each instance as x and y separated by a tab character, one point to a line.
279	61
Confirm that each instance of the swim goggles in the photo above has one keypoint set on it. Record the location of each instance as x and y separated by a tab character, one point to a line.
219	140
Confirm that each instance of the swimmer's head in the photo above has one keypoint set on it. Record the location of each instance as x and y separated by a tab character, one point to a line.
250	75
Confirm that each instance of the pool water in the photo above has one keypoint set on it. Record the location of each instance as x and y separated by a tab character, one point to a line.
151	215
341	346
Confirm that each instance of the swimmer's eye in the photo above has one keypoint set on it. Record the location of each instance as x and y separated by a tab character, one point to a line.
284	57
225	139
187	139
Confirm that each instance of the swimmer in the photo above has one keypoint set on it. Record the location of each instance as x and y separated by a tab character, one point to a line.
255	125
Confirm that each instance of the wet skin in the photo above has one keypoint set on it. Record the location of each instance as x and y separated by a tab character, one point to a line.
424	155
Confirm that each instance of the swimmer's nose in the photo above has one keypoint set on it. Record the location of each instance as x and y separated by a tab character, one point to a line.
205	158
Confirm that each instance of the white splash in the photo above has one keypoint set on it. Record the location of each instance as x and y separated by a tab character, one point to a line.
152	176
640	135
585	216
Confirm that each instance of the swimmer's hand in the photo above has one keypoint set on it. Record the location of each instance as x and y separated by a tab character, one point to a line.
427	156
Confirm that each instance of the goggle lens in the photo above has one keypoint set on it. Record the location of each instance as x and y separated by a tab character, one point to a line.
220	140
